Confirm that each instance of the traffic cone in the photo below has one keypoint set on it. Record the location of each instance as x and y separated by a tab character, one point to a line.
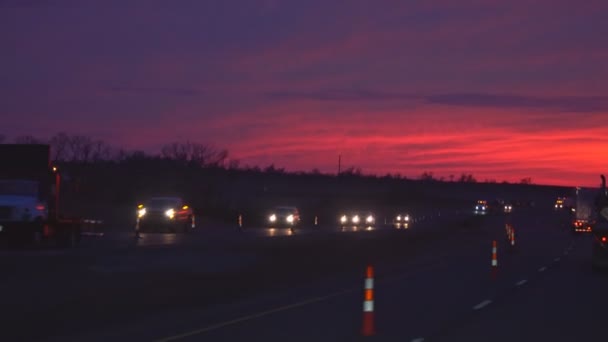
368	303
512	238
494	260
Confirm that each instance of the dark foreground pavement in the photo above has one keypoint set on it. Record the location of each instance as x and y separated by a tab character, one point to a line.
433	282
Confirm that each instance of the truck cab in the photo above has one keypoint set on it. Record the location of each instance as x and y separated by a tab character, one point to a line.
29	197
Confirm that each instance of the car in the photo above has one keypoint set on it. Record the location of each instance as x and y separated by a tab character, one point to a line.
165	212
559	203
284	217
508	208
402	220
481	207
358	219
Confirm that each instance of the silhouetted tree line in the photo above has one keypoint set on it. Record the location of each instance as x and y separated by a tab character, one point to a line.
96	172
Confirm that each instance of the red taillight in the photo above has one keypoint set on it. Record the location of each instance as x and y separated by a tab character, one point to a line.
40	207
603	239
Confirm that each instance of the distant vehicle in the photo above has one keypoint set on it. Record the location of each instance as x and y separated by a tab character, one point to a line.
584	214
284	217
165	212
599	246
29	197
559	203
507	208
358	218
402	219
481	208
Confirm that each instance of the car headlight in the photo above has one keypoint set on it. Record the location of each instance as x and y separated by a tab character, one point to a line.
406	218
356	219
272	218
343	219
141	212
369	219
170	213
399	218
290	218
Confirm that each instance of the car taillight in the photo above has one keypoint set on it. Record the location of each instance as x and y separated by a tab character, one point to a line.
603	239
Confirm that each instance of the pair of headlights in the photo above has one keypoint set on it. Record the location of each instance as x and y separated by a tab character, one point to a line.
273	218
170	213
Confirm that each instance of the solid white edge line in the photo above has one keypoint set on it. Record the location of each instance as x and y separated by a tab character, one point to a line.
542	269
521	282
482	304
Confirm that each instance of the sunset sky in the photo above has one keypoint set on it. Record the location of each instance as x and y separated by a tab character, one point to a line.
500	89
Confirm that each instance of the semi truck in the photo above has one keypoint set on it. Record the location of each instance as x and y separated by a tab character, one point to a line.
29	198
583	210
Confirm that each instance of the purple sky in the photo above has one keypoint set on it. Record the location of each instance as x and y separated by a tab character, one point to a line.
503	90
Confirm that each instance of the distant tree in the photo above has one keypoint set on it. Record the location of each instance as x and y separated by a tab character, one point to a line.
427	176
315	172
194	154
272	169
442	179
28	139
467	178
352	171
452	178
526	181
233	164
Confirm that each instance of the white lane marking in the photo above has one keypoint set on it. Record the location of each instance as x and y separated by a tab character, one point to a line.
521	282
542	269
253	316
482	304
419	339
557	259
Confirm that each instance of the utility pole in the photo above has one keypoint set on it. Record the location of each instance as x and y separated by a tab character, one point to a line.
339	163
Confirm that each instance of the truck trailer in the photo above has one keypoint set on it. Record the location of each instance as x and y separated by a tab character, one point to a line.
29	198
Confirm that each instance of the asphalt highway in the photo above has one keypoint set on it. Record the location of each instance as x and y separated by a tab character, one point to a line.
432	281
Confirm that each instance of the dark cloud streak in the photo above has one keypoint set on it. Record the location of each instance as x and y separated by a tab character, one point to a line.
509	101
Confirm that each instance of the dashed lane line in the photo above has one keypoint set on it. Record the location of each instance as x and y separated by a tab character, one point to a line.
482	304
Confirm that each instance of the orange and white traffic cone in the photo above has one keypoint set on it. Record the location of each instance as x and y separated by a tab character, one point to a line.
494	260
368	303
512	238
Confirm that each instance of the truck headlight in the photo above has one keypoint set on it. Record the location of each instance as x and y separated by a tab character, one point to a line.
170	213
369	219
356	219
141	212
343	219
399	218
290	218
406	218
272	218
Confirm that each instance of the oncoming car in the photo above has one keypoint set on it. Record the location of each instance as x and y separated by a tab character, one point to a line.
358	219
402	220
284	217
508	208
559	203
481	208
165	212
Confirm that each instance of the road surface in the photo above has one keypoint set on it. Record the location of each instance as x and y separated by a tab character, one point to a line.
432	282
